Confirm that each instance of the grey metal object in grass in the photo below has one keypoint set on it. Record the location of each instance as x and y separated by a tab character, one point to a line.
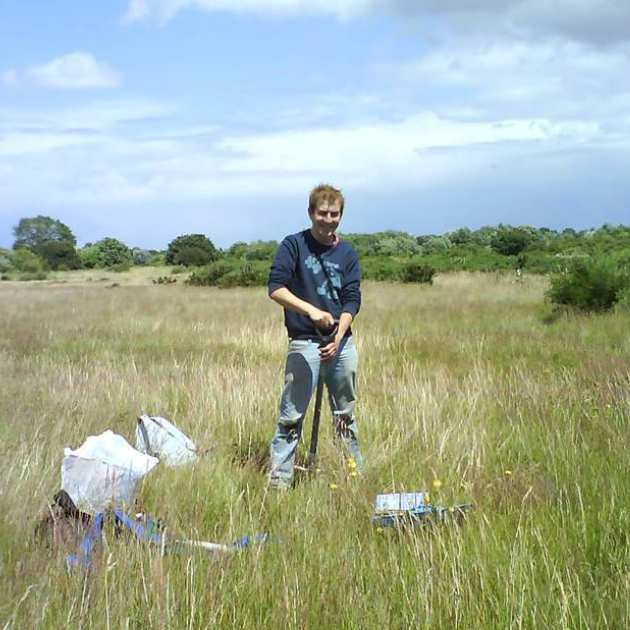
324	340
414	508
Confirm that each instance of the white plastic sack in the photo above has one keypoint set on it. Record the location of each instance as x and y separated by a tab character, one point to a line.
161	438
103	472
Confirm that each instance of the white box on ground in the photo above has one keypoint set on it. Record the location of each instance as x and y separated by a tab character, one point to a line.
399	502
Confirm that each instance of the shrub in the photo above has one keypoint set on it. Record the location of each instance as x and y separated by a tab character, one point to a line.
191	241
415	271
589	285
623	299
88	256
157	260
106	253
59	255
121	267
6	261
141	256
192	257
165	280
226	274
247	275
210	275
178	269
381	268
26	261
510	241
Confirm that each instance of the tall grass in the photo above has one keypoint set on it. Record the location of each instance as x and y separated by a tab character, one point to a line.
461	382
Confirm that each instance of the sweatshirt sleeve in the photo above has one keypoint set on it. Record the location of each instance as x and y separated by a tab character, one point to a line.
283	267
351	289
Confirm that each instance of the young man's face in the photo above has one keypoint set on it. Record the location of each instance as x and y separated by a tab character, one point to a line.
325	219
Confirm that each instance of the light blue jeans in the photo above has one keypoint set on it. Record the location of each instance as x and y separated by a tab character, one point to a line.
300	381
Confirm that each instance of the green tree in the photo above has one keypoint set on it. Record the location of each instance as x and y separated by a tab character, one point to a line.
460	236
197	241
141	256
510	241
192	257
35	231
397	244
59	255
107	252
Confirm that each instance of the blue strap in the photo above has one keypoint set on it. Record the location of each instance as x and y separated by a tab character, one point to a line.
142	532
83	558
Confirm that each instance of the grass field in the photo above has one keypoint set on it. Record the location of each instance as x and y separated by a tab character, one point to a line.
462	382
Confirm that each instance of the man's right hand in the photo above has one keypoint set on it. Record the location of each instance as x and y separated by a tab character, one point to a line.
322	319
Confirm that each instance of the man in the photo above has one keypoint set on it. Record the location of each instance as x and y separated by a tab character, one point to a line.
316	277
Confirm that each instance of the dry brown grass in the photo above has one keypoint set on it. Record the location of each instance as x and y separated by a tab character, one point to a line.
461	381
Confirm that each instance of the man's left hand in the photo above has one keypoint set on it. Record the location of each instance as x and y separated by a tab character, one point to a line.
328	351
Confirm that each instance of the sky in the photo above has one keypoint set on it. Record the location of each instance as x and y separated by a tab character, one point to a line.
146	119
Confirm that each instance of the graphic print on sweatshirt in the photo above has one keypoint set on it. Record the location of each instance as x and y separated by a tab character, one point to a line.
329	285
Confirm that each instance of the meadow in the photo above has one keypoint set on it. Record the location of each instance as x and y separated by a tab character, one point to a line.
468	382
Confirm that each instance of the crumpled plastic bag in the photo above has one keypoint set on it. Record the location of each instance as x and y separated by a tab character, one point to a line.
103	472
159	437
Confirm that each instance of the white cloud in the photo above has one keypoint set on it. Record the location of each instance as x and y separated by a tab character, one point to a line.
103	160
164	10
600	21
76	70
558	80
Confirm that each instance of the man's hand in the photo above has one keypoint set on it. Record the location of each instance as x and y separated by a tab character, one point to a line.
328	351
321	319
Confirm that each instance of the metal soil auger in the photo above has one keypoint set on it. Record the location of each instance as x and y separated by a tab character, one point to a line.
324	339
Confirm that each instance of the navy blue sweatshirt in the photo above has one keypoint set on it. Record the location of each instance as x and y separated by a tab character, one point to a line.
326	276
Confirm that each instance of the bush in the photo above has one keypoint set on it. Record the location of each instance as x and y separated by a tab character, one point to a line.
6	261
416	271
192	257
120	267
88	256
106	253
190	242
165	280
381	268
141	256
589	285
178	269
59	255
157	260
623	299
210	275
510	241
246	275
226	274
26	261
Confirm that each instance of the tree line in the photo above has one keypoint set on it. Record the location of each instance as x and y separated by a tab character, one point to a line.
43	243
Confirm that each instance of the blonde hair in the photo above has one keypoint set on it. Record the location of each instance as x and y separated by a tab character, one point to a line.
325	193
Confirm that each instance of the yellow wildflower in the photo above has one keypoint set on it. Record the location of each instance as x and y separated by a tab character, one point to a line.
437	484
333	486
